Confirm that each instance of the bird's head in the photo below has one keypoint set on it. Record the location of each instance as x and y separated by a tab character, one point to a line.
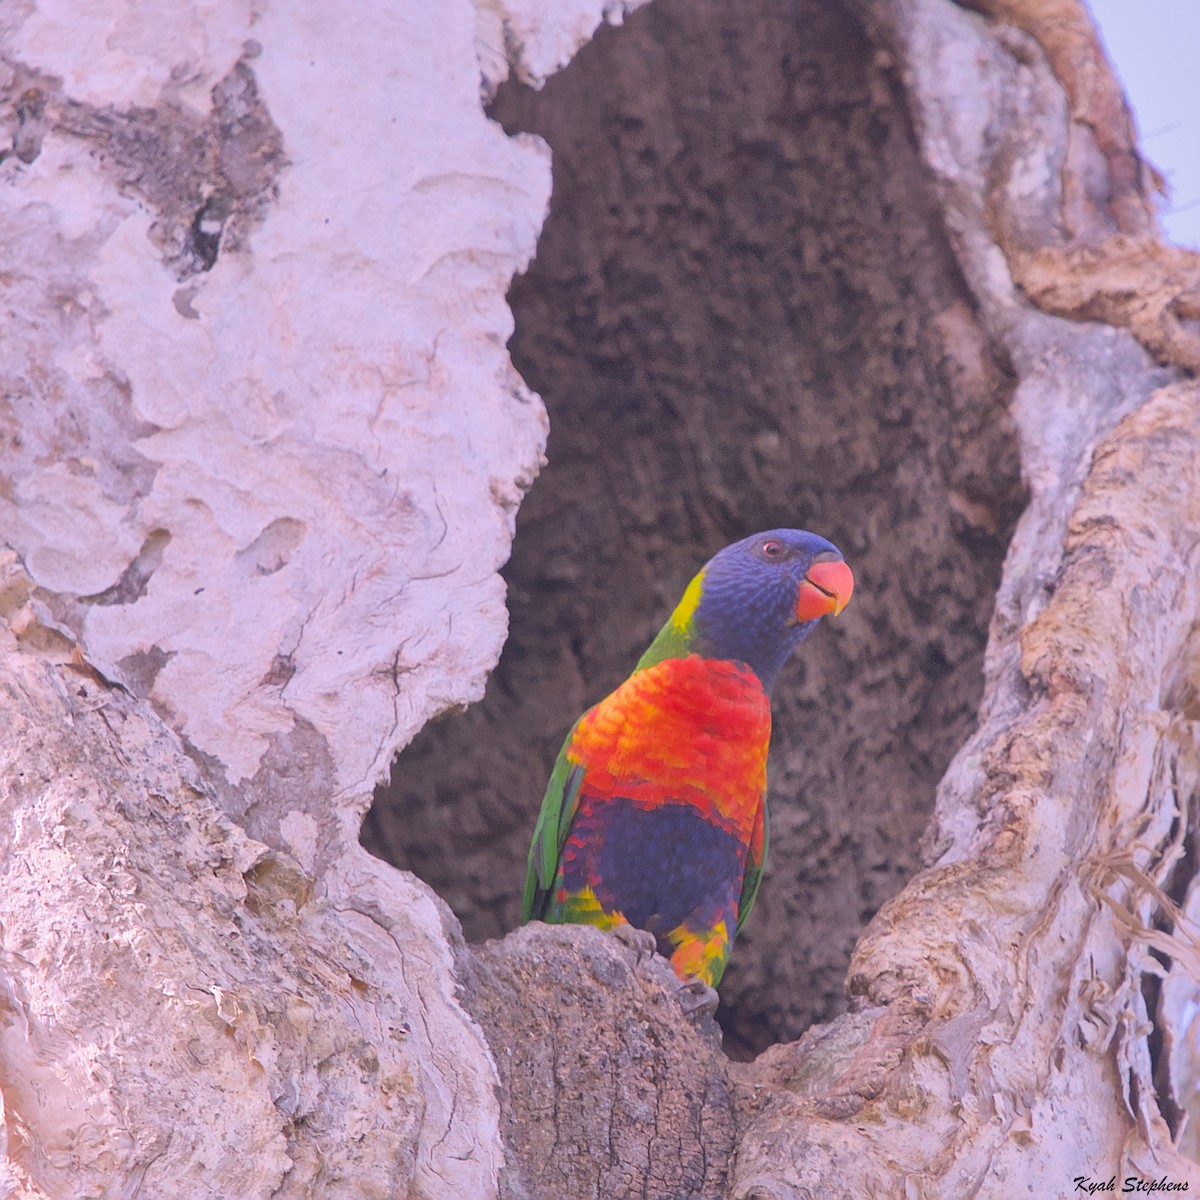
757	600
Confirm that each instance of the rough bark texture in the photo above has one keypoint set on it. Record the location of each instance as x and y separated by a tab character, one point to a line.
186	1012
643	1097
206	987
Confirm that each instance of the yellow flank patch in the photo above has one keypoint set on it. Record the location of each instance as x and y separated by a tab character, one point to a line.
583	908
681	618
699	956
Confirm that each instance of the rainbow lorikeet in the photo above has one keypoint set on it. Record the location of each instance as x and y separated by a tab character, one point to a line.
655	817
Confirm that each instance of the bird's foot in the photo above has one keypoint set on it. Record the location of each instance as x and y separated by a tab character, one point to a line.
641	941
697	998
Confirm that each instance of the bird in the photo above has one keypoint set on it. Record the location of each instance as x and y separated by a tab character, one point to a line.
654	824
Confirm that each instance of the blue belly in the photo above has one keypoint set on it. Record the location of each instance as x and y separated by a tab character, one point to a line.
661	868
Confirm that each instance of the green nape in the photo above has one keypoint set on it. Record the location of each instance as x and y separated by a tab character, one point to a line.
674	639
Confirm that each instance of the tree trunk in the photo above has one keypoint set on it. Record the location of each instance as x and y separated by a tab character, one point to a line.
887	269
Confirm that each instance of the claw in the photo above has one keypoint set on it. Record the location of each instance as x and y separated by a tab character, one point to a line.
697	998
641	941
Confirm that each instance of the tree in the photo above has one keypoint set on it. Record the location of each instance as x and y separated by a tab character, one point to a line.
892	263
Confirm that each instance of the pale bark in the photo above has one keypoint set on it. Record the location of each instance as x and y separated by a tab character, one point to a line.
262	452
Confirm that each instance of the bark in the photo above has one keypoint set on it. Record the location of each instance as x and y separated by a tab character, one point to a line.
887	268
187	1012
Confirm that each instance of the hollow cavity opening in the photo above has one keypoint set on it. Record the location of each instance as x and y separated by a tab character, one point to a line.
744	313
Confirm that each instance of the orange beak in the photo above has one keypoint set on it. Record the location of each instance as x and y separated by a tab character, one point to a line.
827	588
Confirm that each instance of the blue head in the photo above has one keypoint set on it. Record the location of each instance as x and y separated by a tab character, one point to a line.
756	601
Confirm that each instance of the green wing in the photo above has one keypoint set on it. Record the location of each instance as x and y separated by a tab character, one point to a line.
755	864
559	806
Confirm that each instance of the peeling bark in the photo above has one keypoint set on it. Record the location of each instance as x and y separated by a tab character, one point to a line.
1137	283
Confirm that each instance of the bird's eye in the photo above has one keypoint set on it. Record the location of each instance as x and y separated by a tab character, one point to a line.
771	549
